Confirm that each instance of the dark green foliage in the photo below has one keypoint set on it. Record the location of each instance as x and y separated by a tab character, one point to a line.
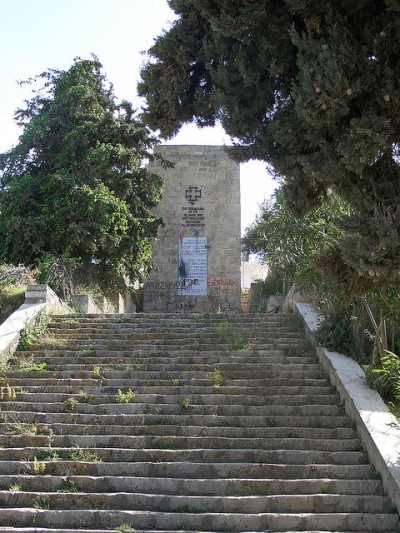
13	282
262	290
386	379
76	185
304	249
336	333
310	87
31	334
11	298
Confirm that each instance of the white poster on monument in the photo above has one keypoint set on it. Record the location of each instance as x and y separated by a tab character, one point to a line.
192	266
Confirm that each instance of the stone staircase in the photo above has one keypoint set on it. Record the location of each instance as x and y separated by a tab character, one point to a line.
180	423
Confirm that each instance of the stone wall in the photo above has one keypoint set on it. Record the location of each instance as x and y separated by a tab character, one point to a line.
198	251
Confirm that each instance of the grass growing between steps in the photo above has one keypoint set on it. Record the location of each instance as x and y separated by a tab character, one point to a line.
15	488
53	342
43	503
70	404
67	485
157	421
235	340
216	378
299	352
125	527
71	454
26	428
83	397
129	368
28	365
30	335
88	350
184	403
8	393
71	322
125	397
38	467
98	373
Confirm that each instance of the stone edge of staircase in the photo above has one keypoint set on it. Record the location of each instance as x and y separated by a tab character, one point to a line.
38	298
379	429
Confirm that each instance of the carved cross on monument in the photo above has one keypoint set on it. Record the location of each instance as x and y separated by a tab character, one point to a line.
193	194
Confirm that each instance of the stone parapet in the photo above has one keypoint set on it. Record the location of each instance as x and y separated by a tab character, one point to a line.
85	304
38	299
379	429
37	294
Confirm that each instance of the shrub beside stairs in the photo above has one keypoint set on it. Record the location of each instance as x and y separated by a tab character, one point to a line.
180	423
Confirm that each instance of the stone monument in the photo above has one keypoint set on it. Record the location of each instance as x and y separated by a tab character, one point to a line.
197	254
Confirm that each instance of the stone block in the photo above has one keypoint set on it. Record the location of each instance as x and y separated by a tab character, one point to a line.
85	304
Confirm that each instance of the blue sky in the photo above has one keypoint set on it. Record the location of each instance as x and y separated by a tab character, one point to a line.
39	34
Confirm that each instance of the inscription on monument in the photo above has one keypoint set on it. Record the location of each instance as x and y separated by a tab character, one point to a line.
193	217
192	266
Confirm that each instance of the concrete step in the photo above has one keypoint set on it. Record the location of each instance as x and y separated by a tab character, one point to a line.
164	358
134	363
234	375
181	334
172	409
188	370
181	443
181	520
127	528
132	347
108	396
160	418
177	430
187	470
160	502
148	386
288	456
175	318
167	389
175	485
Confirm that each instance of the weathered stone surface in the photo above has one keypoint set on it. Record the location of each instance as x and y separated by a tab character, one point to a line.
38	298
265	446
201	202
379	428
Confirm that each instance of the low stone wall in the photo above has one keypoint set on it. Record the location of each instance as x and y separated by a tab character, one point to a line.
37	294
85	304
110	304
379	429
38	298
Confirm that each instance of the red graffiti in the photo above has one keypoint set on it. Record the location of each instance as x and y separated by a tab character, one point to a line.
216	282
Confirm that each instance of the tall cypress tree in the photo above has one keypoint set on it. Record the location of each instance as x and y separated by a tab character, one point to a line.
310	87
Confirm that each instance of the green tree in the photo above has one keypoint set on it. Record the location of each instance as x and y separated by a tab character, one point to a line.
76	185
310	87
302	250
